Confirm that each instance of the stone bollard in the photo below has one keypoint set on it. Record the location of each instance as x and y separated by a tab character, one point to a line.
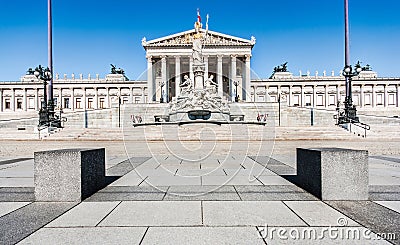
333	173
68	175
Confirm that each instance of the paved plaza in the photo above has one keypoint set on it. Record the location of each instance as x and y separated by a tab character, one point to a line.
232	198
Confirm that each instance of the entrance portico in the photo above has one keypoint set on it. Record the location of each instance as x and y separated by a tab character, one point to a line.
226	58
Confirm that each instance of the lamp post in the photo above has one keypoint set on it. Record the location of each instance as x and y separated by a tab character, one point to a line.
43	74
236	83
349	114
162	84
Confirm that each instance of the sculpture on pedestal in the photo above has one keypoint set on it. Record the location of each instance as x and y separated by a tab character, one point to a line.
198	98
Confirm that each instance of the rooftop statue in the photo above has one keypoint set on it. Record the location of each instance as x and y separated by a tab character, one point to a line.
115	70
281	68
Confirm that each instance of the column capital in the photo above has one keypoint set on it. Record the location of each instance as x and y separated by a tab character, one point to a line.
234	55
163	58
220	56
177	57
149	57
247	57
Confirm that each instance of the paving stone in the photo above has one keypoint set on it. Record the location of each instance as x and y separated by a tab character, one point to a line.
15	160
230	180
245	213
202	235
84	214
203	193
273	193
17	194
201	172
317	213
319	235
19	224
8	207
87	235
126	166
171	180
155	213
384	192
393	205
273	180
248	172
16	182
370	215
129	193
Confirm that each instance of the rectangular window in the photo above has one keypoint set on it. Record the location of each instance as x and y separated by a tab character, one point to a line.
391	100
260	98
296	100
78	103
66	103
7	104
90	103
308	100
356	100
101	103
31	103
379	99
124	100
367	99
332	99
19	104
320	100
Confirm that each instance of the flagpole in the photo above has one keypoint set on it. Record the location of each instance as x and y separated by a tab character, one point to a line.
50	54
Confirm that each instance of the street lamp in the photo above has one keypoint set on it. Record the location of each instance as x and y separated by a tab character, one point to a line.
349	115
46	112
236	83
162	84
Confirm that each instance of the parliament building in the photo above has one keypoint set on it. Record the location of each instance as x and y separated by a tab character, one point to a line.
227	60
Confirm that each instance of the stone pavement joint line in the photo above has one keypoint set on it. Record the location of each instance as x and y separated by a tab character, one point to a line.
373	216
19	224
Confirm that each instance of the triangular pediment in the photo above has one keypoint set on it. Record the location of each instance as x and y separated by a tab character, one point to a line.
186	38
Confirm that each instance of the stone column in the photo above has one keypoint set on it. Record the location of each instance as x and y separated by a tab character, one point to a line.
36	99
24	100
233	77
150	87
108	105
326	96
314	99
84	98
164	78
143	99
290	99
96	99
373	96
385	96
302	96
246	96
60	97
219	75
206	67
1	100
191	74
131	94
361	95
12	106
177	75
72	99
398	95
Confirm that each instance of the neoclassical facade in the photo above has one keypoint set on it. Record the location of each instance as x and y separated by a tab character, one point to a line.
228	62
226	58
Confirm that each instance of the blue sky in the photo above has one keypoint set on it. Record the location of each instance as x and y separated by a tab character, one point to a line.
88	35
